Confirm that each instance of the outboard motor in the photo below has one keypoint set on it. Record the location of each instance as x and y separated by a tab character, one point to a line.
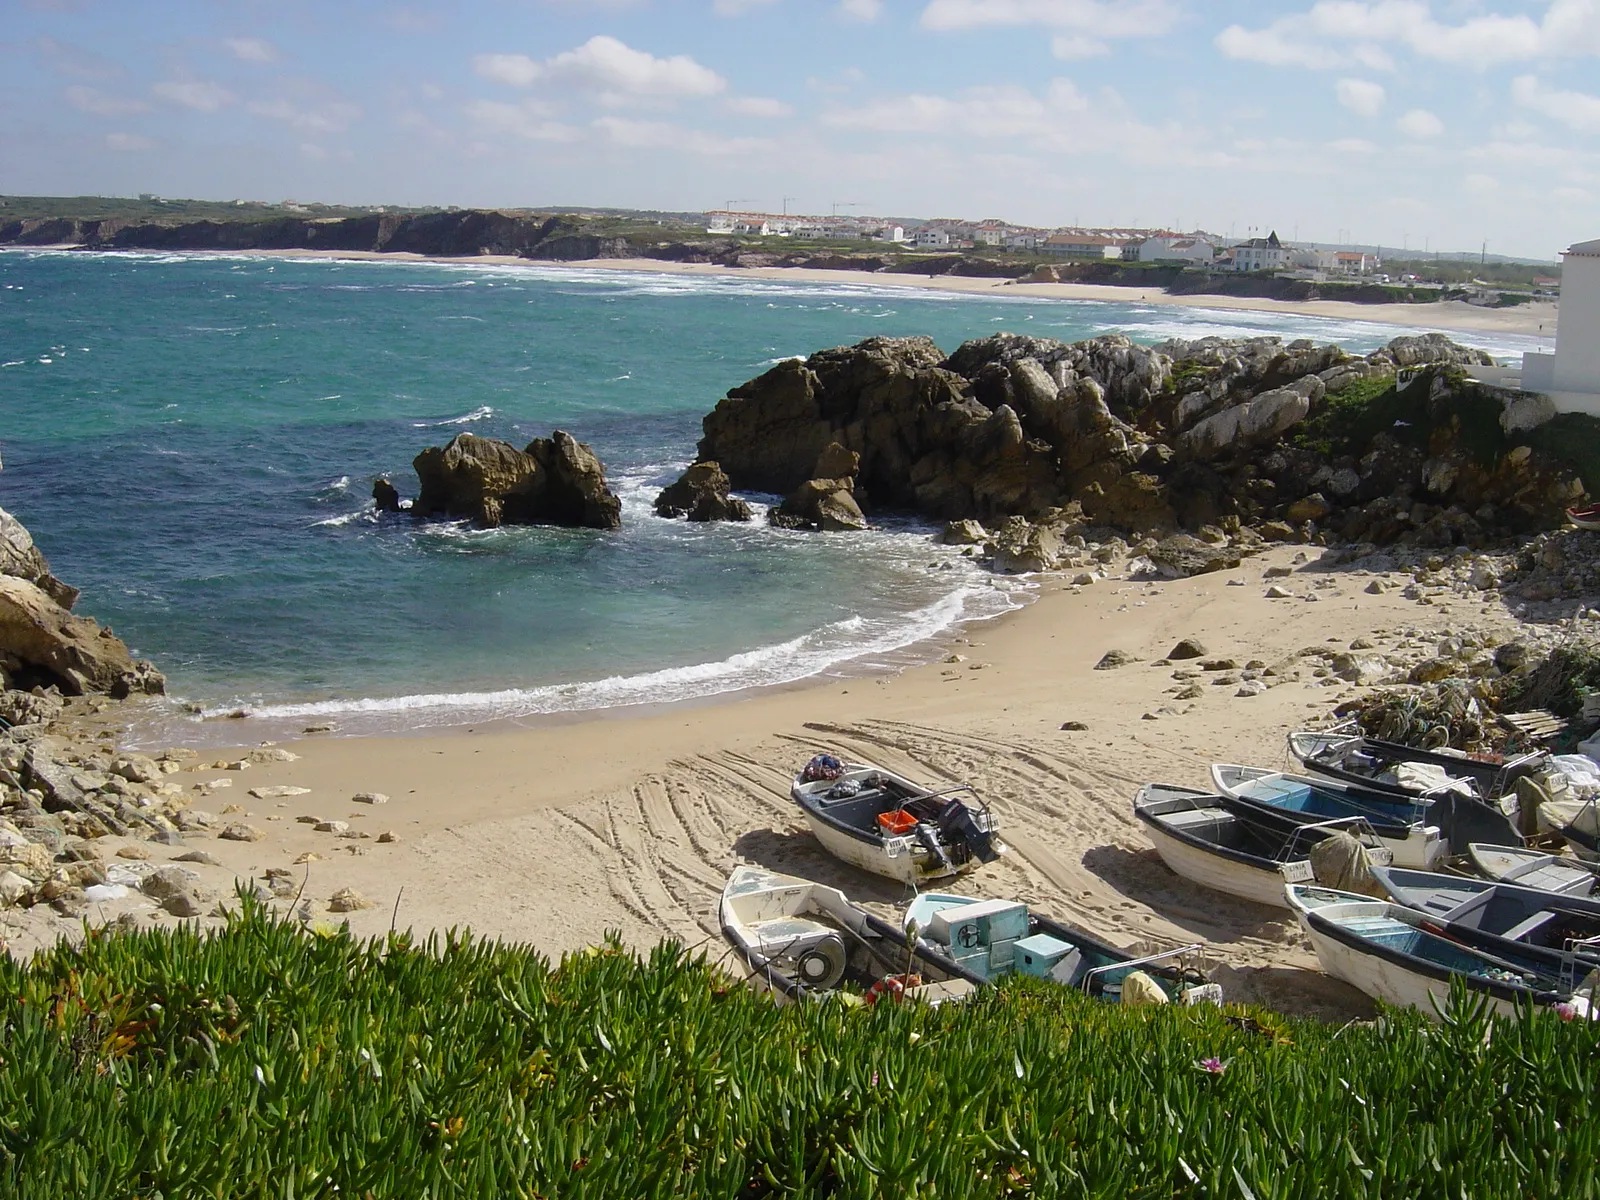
930	840
958	824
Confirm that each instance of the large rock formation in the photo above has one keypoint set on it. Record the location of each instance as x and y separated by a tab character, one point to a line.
1182	436
553	481
42	644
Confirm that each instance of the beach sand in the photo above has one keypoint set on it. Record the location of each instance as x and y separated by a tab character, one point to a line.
630	822
1454	317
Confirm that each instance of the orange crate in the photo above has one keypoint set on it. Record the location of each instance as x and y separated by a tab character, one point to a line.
897	823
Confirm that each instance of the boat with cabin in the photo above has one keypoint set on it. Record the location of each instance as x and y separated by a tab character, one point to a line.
992	939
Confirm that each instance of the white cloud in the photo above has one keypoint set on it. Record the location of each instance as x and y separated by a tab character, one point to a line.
97	103
327	116
1072	47
660	135
199	94
1337	33
608	67
530	120
1099	18
1481	185
129	141
1352	146
1360	96
1420	123
251	49
860	10
1577	110
758	106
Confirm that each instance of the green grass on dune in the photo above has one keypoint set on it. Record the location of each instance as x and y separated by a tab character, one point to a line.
264	1061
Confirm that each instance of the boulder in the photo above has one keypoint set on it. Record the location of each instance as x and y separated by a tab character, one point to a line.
1020	547
825	504
384	496
701	494
553	481
964	533
73	652
1187	648
1183	555
1256	421
21	558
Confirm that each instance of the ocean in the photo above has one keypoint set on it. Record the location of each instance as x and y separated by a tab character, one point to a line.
192	441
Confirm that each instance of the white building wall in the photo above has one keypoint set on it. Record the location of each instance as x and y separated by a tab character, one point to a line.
1577	365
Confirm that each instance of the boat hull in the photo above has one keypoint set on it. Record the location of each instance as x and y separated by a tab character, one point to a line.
912	865
1385	980
1217	872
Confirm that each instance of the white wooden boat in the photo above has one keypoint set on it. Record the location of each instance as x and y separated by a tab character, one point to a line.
1535	869
1404	957
883	823
1203	838
800	937
1346	754
1298	800
996	938
1519	914
1578	821
1585	518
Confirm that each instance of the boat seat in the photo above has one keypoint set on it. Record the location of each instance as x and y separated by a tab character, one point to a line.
788	936
1523	928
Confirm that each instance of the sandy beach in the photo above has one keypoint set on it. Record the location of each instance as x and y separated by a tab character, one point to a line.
630	822
1454	317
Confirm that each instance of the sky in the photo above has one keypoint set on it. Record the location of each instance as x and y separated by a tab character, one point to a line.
1428	125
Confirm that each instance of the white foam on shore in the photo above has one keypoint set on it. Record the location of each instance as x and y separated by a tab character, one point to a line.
834	645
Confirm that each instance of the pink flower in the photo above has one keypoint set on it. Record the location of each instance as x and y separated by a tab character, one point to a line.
1212	1066
874	1079
1566	1010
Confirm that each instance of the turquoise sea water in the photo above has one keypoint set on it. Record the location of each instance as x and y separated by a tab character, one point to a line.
192	440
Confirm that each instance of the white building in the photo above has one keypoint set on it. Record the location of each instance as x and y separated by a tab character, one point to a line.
1260	254
1571	376
1023	239
930	236
1191	251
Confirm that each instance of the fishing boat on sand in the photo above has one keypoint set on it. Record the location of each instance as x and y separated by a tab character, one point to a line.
1293	801
1534	868
1206	839
1345	754
1518	914
800	938
882	822
1585	518
1408	958
991	939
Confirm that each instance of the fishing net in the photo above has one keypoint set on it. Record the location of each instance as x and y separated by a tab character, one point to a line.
1340	861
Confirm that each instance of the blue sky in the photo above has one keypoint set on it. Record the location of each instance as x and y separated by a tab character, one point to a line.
1438	124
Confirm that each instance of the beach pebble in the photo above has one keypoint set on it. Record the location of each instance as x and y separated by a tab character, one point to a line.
1188	648
1193	692
1377	587
333	827
167	881
1114	658
347	900
388	837
380	798
184	904
198	856
1251	687
1277	573
240	832
317	729
213	785
228	809
310	856
13	887
307	819
135	852
278	792
1279	593
271	754
1084	578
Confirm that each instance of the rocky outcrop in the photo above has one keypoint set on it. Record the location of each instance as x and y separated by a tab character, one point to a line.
44	646
553	481
701	494
385	498
1186	436
825	504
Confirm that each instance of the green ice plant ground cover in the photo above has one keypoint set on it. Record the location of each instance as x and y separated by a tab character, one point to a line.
268	1061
